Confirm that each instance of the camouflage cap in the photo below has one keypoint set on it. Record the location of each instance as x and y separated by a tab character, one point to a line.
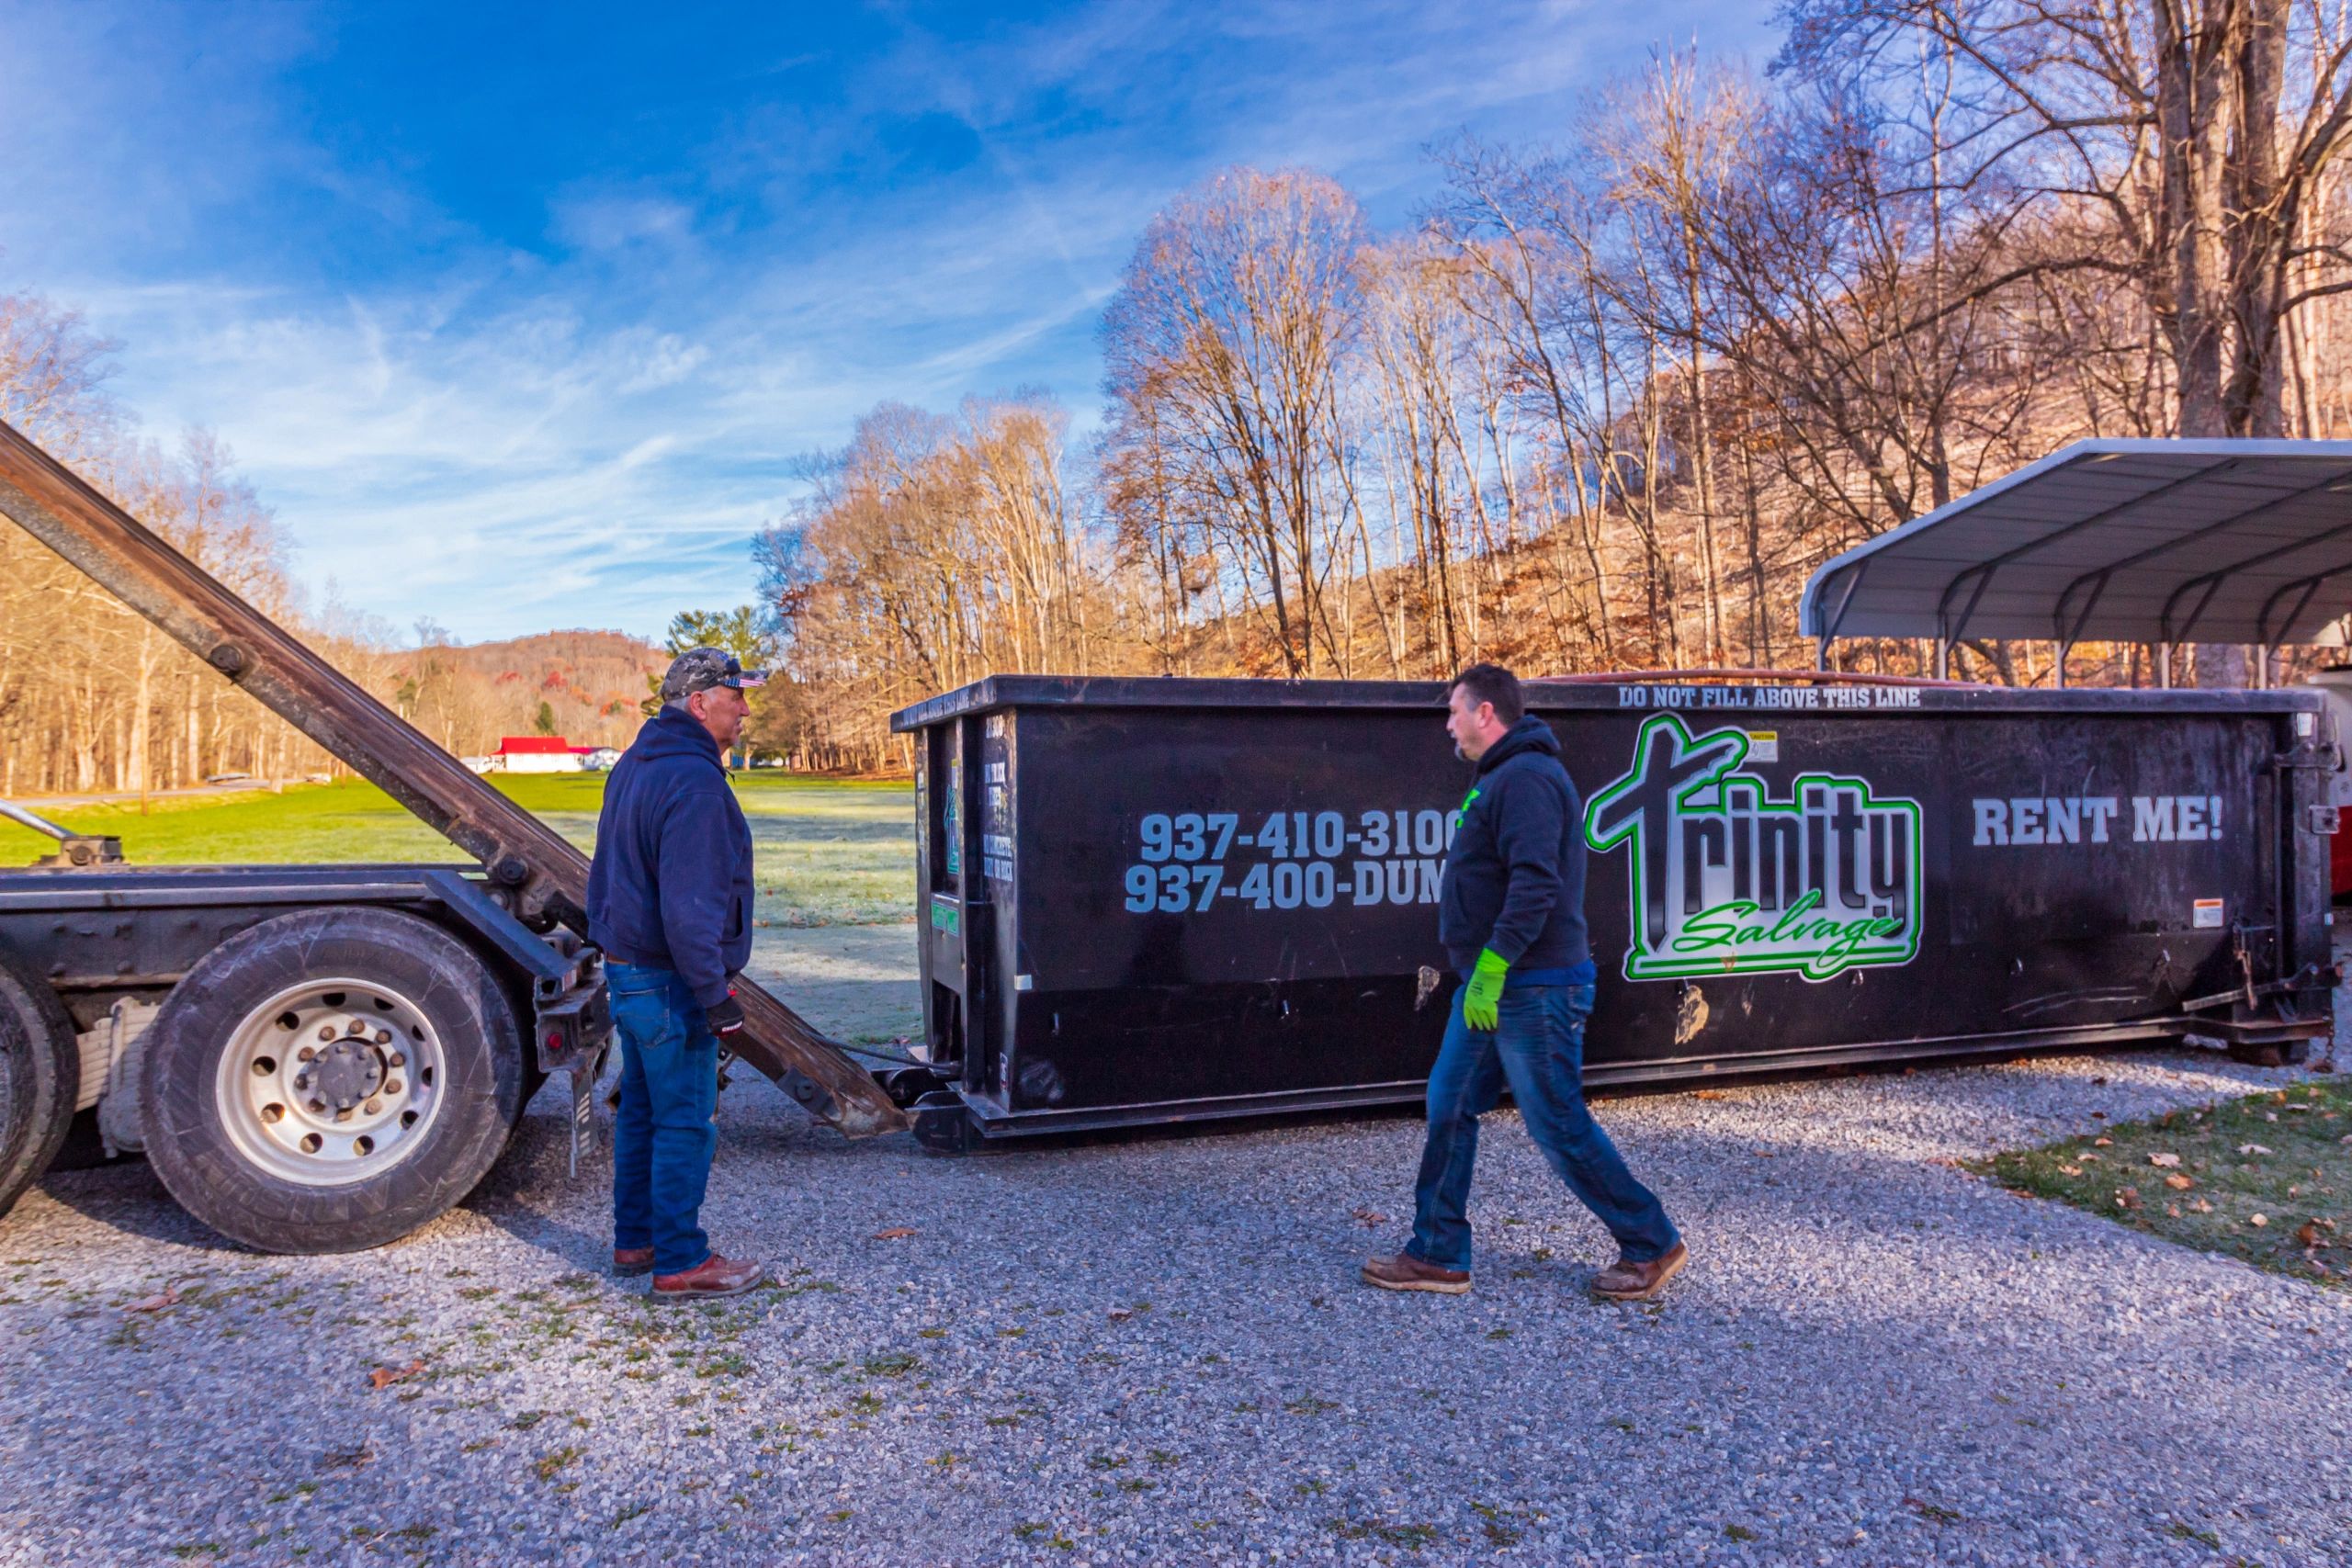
700	668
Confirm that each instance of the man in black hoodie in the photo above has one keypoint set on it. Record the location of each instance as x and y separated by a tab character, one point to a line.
1510	913
669	902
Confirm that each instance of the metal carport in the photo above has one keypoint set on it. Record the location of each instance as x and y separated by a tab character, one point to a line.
2160	542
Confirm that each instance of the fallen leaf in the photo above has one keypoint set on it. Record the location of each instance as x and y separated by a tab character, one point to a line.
2172	1211
385	1377
2179	1183
2295	1108
895	1233
347	1458
1711	1094
2127	1197
2252	1150
1372	1216
2308	1233
2102	1142
155	1303
2087	1157
1763	1154
2203	1207
2257	1221
1119	1315
2163	1162
2069	1170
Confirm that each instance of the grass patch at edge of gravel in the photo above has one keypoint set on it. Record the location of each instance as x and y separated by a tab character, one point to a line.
2284	1156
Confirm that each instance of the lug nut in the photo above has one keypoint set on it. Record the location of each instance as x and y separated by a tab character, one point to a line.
373	1106
305	1054
383	1037
393	1087
326	1031
398	1060
318	1108
357	1029
302	1081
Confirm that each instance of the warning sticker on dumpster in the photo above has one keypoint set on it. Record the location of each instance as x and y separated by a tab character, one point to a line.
1727	879
1763	745
2208	915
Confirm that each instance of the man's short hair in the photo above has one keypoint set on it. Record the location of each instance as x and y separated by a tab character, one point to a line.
1492	683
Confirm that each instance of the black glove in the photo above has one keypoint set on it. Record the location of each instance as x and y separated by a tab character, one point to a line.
726	1016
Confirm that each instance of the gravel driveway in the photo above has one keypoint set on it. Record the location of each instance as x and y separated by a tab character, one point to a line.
1154	1351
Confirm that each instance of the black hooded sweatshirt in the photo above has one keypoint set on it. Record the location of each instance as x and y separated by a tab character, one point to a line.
1514	878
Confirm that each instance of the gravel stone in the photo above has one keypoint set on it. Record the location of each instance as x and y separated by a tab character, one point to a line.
1153	1350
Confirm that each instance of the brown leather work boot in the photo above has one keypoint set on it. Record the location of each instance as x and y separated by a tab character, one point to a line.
627	1260
1407	1272
1628	1281
714	1276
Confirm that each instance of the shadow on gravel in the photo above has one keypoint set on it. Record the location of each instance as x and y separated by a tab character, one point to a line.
535	1163
125	1195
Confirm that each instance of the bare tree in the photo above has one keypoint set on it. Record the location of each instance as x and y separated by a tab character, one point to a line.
1232	319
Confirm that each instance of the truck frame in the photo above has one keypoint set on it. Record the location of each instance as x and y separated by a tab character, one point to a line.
314	1059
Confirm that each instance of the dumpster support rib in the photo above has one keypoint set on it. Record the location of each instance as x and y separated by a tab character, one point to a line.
544	873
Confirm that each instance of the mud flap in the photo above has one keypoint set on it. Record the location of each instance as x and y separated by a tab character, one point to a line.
586	1076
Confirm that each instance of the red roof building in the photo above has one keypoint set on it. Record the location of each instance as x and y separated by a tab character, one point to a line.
536	754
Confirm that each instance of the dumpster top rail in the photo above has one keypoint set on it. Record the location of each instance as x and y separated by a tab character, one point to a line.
1654	689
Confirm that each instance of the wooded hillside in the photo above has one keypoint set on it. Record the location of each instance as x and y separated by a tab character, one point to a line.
1608	402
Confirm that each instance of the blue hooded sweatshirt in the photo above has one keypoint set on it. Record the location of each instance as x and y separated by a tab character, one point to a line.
1514	877
671	883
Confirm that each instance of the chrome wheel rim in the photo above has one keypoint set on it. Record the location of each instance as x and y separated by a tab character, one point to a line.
332	1081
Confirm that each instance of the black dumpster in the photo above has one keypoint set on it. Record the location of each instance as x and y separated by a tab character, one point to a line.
1150	900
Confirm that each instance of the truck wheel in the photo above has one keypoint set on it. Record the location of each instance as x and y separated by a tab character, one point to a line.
40	1078
330	1080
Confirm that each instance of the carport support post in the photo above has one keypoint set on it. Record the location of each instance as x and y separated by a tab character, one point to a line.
2163	666
2058	670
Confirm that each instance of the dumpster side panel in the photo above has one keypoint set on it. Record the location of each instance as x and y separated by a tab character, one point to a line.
1221	902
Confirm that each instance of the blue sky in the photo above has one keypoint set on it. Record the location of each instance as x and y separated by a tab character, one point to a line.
519	316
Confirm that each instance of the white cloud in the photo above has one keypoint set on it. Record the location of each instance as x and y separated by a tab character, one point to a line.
583	422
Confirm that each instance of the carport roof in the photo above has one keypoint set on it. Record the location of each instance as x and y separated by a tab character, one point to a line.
2115	541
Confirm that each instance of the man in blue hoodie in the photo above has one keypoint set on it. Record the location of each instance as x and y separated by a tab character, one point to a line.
669	902
1510	913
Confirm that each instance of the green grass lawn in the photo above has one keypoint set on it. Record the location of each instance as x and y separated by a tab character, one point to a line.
827	851
2267	1179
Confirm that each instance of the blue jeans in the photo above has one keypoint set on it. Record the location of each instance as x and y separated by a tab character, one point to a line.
664	1138
1538	1046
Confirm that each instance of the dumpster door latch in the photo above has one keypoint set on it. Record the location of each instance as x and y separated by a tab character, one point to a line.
2325	821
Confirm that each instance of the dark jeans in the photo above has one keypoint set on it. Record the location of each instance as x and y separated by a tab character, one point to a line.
664	1138
1538	1046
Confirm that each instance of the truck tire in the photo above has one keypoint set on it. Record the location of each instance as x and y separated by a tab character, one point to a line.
40	1078
330	1080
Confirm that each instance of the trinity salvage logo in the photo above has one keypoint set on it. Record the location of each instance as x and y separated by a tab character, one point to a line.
1728	880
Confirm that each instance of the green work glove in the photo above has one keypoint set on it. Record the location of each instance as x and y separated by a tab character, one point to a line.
1482	998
